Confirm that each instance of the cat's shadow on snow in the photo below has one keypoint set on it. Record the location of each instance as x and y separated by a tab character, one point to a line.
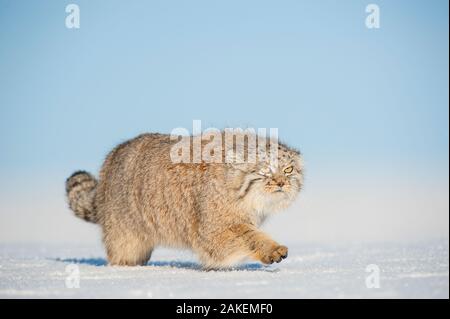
171	263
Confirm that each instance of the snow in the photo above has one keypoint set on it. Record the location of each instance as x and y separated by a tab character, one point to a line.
419	270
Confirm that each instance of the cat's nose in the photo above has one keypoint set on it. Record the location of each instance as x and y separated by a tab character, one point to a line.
280	183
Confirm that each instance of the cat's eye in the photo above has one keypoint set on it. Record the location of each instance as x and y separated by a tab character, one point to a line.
288	170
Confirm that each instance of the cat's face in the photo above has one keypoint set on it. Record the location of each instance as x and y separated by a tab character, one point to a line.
269	186
283	177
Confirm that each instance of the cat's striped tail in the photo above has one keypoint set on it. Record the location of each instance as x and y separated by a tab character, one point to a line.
80	190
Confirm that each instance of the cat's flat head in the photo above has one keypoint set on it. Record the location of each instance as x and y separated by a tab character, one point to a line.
272	182
281	177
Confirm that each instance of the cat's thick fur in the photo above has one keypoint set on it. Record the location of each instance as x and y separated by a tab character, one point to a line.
143	200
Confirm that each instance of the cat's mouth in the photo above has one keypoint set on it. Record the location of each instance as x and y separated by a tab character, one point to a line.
277	190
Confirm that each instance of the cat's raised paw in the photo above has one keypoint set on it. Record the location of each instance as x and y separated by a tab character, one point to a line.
276	255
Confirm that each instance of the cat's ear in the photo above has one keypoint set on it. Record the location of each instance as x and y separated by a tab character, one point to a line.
296	152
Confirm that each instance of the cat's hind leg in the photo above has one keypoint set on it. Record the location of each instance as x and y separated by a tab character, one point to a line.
126	249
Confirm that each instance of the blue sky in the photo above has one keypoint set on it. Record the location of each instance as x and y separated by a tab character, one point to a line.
356	101
334	88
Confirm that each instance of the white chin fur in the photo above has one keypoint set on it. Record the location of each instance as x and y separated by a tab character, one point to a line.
261	204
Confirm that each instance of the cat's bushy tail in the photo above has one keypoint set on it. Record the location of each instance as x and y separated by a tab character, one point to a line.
80	190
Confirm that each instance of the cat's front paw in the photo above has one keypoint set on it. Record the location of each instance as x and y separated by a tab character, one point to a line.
277	254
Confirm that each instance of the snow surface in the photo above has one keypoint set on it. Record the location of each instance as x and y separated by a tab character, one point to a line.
311	271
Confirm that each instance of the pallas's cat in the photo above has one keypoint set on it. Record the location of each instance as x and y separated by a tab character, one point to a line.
143	199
